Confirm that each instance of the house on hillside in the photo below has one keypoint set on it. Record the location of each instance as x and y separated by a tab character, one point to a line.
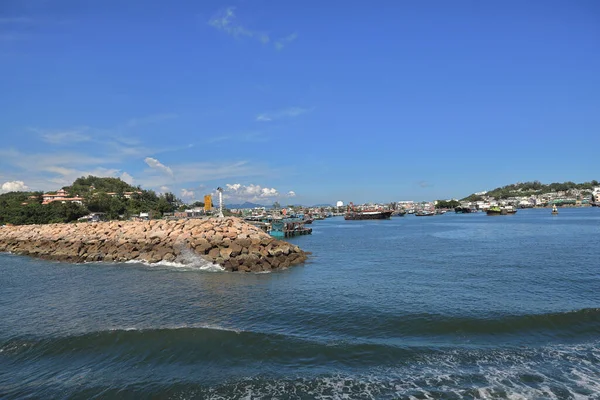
62	196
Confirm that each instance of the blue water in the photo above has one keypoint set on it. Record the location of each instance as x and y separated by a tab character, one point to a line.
451	306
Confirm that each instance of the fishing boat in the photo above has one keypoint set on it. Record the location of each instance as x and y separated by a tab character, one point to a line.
360	215
495	210
510	209
424	213
464	210
554	210
288	227
399	213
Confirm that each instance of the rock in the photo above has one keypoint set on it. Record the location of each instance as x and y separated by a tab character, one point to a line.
230	242
236	249
214	253
225	253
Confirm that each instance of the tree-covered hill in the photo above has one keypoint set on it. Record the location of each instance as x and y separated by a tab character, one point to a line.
111	196
534	188
87	184
21	208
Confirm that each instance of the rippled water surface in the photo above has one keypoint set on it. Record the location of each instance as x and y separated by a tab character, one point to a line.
451	306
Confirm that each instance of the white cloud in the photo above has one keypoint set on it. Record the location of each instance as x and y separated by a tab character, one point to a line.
165	189
125	177
66	176
157	165
71	136
226	21
249	192
281	43
269	192
285	113
187	194
14	186
291	193
263	118
49	170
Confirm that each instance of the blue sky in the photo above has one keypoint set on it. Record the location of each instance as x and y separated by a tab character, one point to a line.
300	101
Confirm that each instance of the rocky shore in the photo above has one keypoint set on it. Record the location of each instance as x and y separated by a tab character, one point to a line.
229	242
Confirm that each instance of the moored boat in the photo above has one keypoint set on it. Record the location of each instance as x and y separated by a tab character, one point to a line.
554	210
464	210
495	210
424	213
510	209
288	227
360	215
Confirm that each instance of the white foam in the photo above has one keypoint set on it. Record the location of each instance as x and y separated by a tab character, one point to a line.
176	327
196	266
498	374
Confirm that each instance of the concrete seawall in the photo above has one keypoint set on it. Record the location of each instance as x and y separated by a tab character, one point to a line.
229	242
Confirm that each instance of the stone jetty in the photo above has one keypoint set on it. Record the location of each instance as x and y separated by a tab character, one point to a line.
230	242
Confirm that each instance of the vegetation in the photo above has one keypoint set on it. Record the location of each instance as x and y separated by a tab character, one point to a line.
533	188
84	185
17	208
102	195
447	204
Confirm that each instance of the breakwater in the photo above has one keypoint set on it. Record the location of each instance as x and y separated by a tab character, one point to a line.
230	242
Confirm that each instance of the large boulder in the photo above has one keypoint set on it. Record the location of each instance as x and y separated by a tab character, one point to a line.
230	242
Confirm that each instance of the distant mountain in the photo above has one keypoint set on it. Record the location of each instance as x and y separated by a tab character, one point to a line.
323	205
246	204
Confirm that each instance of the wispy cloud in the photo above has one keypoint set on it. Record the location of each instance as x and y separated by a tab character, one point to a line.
149	119
14	28
226	21
281	43
194	172
157	165
125	177
75	135
114	152
15	20
187	194
285	113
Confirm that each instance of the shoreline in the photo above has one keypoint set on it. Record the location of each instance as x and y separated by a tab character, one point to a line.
231	243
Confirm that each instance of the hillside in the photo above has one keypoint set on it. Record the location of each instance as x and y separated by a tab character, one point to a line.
110	196
84	185
533	188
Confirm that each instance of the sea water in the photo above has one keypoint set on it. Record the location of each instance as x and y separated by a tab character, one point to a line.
447	307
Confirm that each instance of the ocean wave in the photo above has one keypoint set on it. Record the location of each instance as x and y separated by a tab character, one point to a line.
379	325
551	372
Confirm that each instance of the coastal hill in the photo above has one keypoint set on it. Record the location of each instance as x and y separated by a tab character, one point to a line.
523	189
110	196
